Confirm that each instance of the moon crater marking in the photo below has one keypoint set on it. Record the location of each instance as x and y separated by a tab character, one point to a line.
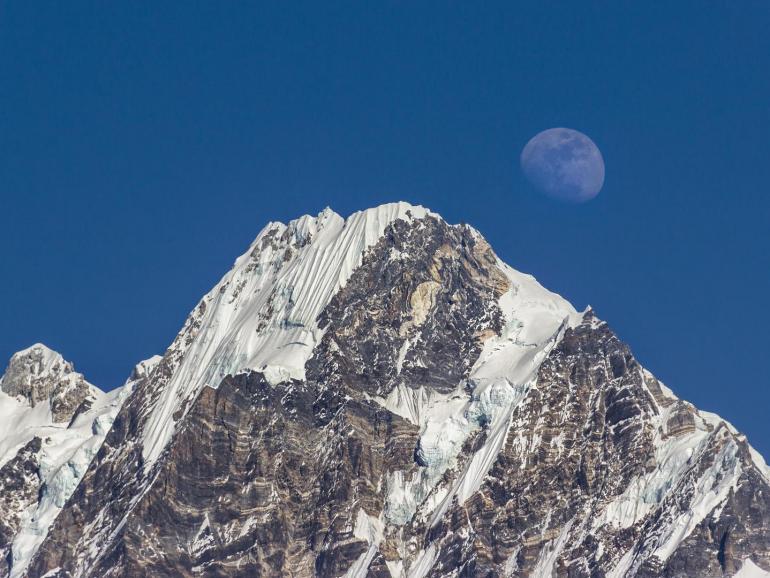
564	164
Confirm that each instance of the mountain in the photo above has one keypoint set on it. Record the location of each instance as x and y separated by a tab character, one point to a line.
52	422
383	396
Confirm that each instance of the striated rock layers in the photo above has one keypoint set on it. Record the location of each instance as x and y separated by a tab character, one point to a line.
382	396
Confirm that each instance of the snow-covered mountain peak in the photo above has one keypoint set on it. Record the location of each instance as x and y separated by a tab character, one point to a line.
55	440
386	395
262	314
266	306
40	350
303	230
38	375
31	363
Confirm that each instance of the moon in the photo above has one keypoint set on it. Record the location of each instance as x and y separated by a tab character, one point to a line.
564	164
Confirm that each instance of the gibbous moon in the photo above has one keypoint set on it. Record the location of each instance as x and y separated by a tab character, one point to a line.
564	164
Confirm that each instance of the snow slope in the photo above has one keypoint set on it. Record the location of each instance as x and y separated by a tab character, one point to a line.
751	570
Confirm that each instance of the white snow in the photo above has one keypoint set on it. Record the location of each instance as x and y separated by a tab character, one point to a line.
40	361
502	377
621	568
673	458
19	421
423	562
263	314
396	568
712	489
759	462
144	368
204	538
372	530
751	570
549	554
512	563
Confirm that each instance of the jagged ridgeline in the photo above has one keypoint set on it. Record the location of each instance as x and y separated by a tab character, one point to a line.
376	396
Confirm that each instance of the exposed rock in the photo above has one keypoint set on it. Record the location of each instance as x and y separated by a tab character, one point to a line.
252	487
20	483
414	313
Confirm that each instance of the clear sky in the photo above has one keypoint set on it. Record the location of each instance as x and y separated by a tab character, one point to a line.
144	144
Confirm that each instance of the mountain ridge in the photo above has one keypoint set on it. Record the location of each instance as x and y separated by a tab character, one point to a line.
433	383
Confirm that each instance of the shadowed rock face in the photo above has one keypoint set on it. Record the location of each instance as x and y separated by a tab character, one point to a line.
598	474
19	486
252	487
415	312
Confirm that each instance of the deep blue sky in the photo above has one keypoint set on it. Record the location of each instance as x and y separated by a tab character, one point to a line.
144	144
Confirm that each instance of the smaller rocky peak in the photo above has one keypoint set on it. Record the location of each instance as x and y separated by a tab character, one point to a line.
40	375
31	372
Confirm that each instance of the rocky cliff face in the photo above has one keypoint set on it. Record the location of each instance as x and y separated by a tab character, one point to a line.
382	396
